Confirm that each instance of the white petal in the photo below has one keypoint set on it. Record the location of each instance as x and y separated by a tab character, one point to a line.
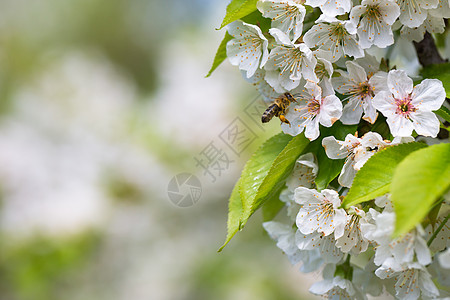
347	174
280	37
384	102
312	129
429	94
400	126
422	251
330	110
390	12
425	123
399	84
333	148
356	72
352	111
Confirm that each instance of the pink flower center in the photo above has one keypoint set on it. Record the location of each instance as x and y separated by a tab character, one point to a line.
404	106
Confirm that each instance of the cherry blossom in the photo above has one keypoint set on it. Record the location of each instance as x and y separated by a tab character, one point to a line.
310	110
286	15
374	19
288	63
284	235
335	36
414	12
409	108
304	173
431	24
412	279
331	7
248	49
323	244
320	212
352	239
360	90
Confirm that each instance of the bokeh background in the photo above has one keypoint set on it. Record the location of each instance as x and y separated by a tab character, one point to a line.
102	103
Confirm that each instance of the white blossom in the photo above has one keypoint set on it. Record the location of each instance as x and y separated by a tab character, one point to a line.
286	15
442	10
442	239
310	110
337	288
374	19
405	249
366	279
320	212
288	63
431	24
414	12
343	150
412	279
356	151
373	142
248	48
352	239
304	173
409	108
360	90
335	36
331	7
284	235
324	244
384	202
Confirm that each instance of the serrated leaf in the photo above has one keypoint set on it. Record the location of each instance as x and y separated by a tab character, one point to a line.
234	214
444	113
419	180
374	178
441	72
266	171
238	9
329	168
221	53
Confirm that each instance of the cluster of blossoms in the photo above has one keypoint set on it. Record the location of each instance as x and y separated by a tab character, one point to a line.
330	57
318	51
354	248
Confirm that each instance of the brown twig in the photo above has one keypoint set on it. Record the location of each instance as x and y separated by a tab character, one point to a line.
427	51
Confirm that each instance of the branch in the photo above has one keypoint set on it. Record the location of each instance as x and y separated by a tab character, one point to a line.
427	51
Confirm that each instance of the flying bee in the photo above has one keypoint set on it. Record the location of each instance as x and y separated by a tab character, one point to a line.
278	108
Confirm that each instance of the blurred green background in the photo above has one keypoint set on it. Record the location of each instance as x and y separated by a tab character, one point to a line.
101	104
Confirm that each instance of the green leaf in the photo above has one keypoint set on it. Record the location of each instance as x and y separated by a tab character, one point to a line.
257	18
221	53
441	72
234	214
266	171
329	169
272	206
444	113
374	178
419	180
238	9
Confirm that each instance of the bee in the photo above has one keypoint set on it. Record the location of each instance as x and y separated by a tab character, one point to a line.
278	108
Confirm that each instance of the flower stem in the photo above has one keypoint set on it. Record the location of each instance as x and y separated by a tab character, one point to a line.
436	232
